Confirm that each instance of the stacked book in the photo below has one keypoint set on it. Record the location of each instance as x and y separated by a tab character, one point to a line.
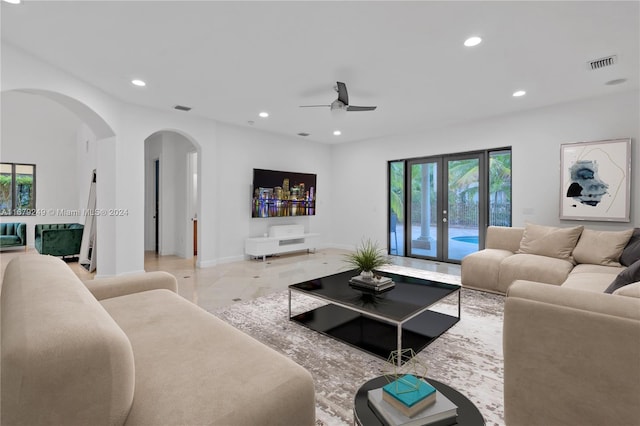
376	284
410	401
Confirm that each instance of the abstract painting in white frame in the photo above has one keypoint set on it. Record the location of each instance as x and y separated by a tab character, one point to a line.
595	180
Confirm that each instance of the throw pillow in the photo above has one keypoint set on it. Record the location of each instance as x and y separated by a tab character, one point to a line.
549	241
631	252
628	276
601	247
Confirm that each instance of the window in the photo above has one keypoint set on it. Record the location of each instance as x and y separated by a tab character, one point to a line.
17	189
500	188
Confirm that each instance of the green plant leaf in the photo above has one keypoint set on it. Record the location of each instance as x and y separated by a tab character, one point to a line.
367	256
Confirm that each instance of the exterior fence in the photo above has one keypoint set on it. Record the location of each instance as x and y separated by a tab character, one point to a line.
464	215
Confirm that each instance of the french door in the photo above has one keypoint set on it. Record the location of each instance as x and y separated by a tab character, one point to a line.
445	206
439	207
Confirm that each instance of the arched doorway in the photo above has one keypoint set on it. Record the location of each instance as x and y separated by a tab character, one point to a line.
64	162
172	197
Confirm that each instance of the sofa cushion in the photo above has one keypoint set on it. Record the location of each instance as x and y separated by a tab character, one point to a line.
589	281
613	271
549	241
532	267
192	368
631	252
504	238
9	240
628	276
630	290
601	247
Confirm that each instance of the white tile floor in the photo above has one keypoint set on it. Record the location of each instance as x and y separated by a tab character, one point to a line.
234	282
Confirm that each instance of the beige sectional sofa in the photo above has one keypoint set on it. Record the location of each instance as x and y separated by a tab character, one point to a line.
571	351
571	257
130	351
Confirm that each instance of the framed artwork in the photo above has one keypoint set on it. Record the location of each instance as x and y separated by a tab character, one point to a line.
595	180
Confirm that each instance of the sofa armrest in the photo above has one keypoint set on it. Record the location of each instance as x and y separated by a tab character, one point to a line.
570	356
629	290
106	288
22	233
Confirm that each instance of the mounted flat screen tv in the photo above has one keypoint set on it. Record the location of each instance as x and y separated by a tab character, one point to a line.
280	194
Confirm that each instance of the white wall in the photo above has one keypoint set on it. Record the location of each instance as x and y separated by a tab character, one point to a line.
87	153
36	130
535	137
241	150
352	200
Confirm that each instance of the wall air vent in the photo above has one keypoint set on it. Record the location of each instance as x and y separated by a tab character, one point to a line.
303	134
182	108
602	62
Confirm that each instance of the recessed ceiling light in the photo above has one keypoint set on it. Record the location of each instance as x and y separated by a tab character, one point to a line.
12	1
519	93
264	114
616	81
337	133
138	83
472	41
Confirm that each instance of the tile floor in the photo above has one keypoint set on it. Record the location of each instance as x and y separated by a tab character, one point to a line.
229	283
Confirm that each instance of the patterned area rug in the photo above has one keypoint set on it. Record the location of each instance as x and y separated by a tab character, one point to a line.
467	357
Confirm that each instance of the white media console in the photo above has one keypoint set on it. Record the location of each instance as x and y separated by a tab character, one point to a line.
281	239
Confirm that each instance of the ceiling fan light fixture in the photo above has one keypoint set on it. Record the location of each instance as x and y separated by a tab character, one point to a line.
473	41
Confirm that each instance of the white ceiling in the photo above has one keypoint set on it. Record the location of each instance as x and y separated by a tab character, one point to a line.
231	60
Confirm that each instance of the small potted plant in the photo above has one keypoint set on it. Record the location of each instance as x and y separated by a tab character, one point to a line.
367	257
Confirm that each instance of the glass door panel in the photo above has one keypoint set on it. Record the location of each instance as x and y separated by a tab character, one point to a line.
396	208
500	188
423	216
462	215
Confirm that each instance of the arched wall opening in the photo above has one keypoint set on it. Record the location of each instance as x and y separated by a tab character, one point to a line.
65	139
172	199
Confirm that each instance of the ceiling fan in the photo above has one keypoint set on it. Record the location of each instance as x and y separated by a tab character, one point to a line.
342	103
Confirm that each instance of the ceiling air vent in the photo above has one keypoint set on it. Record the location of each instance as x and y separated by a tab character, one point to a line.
602	62
303	134
182	108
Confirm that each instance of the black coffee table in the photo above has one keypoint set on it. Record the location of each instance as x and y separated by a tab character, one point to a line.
468	413
377	323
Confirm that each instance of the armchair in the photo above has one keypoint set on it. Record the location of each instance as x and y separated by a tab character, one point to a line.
59	239
13	235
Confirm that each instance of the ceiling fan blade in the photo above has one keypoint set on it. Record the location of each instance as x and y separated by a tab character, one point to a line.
343	96
361	108
314	106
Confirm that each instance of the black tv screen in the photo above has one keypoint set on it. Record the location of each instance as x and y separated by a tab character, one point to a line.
278	194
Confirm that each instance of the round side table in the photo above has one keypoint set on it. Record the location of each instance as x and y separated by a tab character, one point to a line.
468	413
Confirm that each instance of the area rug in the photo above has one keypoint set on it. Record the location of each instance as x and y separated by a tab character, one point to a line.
467	357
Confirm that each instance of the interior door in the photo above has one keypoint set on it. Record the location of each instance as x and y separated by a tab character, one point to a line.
156	212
